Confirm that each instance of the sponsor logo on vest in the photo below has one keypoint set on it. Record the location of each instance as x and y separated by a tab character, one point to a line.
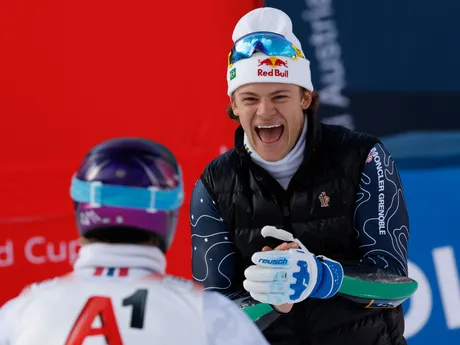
324	199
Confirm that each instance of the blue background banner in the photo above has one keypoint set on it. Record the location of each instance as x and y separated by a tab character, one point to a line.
433	314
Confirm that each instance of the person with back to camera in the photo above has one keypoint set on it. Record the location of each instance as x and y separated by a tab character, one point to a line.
127	194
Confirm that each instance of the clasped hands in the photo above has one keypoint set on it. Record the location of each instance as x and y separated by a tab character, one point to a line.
290	273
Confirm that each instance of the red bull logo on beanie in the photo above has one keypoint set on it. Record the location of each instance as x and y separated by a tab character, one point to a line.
272	67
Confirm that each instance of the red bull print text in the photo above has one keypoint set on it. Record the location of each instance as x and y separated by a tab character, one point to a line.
272	66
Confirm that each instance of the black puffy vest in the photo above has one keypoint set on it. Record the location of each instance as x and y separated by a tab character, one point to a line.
318	209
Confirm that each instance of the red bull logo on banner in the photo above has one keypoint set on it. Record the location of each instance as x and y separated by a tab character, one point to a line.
272	66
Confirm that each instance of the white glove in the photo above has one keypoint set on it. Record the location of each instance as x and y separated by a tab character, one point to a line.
290	276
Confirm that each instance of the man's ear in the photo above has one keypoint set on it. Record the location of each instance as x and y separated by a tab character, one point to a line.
233	105
306	99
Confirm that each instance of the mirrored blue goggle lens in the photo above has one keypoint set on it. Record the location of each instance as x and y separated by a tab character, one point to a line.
266	42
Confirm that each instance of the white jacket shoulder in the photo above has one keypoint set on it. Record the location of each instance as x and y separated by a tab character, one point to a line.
227	324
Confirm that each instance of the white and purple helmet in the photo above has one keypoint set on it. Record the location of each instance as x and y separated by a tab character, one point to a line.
128	184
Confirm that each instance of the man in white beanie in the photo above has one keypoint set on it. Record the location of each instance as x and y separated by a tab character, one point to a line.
329	200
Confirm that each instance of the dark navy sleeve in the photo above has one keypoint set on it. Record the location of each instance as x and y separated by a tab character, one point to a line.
213	252
381	219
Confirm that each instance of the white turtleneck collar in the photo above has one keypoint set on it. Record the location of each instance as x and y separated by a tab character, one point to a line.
143	258
284	169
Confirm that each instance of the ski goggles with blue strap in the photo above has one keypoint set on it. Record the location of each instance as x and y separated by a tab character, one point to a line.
269	43
151	199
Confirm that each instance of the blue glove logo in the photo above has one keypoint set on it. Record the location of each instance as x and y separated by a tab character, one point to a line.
302	279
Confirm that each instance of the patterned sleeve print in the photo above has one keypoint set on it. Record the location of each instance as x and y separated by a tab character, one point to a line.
213	252
381	219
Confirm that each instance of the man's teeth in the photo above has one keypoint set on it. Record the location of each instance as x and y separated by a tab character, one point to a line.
269	126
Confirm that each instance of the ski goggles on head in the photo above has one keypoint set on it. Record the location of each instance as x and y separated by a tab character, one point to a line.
269	43
151	199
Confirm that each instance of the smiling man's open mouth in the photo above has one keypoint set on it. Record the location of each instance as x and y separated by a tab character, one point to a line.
269	134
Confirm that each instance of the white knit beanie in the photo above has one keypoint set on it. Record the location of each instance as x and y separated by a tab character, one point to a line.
282	69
